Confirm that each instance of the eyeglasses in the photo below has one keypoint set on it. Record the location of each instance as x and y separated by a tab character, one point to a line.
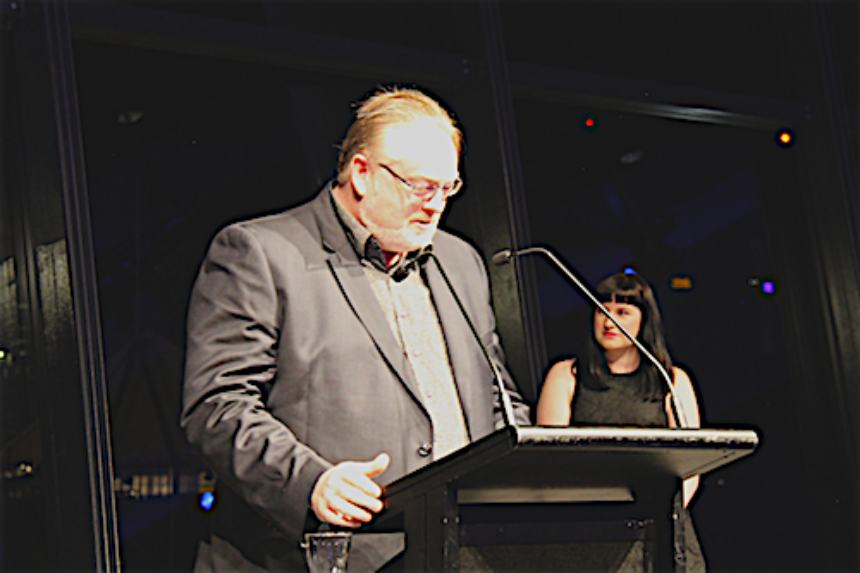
427	189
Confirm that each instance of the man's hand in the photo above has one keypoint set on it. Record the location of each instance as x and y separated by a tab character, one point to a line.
346	494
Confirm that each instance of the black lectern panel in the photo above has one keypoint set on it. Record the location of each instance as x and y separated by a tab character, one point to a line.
632	471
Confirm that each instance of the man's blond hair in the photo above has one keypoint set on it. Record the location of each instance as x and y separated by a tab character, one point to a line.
385	108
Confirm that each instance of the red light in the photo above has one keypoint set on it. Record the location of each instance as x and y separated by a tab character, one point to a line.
589	122
785	137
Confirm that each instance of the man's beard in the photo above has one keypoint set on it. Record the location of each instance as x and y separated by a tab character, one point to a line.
401	240
394	240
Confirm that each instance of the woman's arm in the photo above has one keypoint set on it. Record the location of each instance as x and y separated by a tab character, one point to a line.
686	400
553	407
690	405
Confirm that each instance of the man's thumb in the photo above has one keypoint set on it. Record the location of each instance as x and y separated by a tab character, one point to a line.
378	465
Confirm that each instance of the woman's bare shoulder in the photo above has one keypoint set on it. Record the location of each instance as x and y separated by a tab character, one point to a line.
564	366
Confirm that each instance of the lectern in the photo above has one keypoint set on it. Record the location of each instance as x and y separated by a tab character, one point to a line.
624	473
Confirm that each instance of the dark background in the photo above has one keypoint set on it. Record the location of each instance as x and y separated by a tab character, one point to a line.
196	114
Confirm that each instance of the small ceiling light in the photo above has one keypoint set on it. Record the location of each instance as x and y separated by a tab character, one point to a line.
129	117
631	157
680	283
785	138
589	122
768	287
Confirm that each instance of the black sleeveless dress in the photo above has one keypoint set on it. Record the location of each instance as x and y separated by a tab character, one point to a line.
621	404
618	405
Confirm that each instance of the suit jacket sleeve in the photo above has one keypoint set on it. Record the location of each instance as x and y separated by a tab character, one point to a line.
232	340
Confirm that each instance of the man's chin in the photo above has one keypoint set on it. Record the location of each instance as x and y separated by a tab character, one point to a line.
407	244
422	241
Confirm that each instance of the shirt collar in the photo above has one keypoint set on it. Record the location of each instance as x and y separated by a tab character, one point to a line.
369	249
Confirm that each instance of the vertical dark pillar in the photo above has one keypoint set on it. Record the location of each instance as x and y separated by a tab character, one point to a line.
818	226
495	196
60	358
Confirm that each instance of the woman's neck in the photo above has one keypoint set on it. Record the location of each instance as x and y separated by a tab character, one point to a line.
622	361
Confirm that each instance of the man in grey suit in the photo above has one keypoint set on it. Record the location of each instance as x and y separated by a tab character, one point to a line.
327	356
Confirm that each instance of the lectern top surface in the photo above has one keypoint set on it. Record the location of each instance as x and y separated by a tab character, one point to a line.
636	437
581	458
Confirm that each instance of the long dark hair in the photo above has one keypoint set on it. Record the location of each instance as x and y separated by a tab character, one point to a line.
630	289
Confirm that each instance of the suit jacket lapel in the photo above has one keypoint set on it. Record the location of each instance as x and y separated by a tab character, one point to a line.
349	273
363	301
458	337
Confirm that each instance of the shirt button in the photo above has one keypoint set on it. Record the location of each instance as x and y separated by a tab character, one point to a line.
425	450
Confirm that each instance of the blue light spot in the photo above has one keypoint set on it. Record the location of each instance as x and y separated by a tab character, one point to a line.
630	271
768	287
207	500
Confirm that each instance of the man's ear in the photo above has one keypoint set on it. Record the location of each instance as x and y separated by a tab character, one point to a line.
359	171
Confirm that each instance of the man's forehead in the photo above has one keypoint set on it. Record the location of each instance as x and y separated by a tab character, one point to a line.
420	136
423	149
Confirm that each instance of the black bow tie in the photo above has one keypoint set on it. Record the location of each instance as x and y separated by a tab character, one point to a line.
401	270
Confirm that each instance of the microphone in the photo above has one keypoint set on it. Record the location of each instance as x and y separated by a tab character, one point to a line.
502	257
507	407
505	256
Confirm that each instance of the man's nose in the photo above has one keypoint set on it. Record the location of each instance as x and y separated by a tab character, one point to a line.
437	202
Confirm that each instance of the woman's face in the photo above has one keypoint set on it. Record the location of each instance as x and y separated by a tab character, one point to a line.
607	335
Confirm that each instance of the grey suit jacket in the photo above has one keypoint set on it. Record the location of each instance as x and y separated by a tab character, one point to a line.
292	367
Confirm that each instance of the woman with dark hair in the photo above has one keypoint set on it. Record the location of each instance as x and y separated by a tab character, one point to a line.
614	385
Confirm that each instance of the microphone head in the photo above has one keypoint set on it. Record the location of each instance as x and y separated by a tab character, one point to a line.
503	257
